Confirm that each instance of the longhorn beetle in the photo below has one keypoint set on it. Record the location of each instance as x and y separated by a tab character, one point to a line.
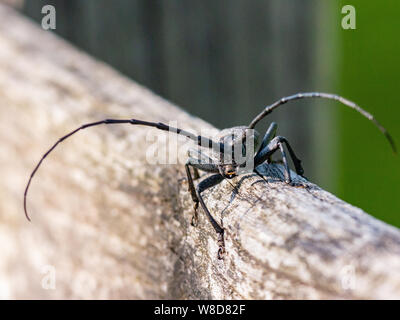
226	165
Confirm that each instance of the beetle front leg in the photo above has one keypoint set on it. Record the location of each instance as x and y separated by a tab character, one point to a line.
204	185
194	163
192	191
196	174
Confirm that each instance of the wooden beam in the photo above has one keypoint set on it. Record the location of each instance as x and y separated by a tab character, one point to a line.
112	225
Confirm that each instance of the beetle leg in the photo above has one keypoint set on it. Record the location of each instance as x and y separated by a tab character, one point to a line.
275	144
271	131
204	185
192	191
296	161
194	163
196	174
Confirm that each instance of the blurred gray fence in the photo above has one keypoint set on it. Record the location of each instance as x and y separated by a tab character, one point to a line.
221	60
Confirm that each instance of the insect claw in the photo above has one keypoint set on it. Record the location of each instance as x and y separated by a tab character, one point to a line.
288	181
221	244
221	253
304	177
298	185
195	218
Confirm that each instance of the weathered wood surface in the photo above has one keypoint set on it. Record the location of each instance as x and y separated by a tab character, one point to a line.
114	226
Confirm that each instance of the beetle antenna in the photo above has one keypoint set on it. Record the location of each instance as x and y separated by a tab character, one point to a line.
201	141
330	96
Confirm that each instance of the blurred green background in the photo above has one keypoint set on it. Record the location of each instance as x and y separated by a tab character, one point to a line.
224	60
368	175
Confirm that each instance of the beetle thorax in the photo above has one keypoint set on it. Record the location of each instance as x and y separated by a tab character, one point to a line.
239	144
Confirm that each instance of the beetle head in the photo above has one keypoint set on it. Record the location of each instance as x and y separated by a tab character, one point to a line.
228	171
239	146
